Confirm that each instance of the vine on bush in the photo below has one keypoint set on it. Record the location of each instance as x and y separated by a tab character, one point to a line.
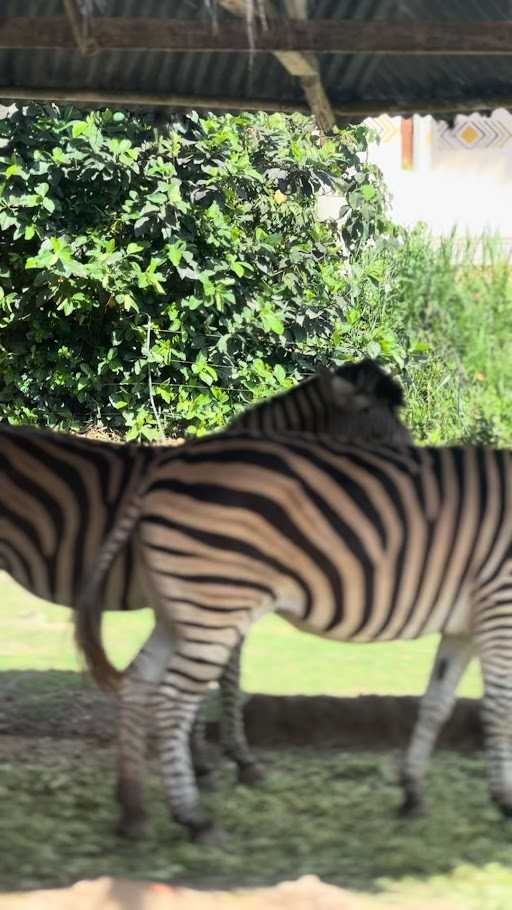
166	280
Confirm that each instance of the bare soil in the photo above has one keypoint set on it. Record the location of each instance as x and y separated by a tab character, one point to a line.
308	893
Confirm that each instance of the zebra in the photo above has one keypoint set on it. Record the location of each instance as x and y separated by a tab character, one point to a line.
60	494
360	402
349	542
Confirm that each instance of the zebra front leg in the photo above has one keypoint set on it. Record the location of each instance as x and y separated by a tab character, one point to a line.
233	738
137	688
496	664
452	658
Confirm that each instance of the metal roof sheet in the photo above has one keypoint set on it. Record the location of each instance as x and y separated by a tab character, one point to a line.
387	80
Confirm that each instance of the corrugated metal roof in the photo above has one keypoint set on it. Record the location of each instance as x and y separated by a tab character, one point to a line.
388	80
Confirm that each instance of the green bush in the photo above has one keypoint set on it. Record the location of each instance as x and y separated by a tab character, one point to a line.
159	282
442	312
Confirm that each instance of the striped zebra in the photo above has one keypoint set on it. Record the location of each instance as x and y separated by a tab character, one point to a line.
60	494
357	402
350	543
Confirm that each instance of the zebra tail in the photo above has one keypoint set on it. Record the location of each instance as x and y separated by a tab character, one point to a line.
90	604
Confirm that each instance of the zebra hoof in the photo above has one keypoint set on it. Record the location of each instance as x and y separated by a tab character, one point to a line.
412	807
250	775
505	808
207	780
133	827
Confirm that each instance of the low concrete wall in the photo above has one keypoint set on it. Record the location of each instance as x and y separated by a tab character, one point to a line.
366	722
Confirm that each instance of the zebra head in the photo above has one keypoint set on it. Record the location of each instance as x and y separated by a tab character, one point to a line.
364	404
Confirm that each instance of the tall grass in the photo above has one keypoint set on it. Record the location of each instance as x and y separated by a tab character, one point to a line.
440	312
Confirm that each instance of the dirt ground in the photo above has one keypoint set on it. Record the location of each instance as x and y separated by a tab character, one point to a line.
308	893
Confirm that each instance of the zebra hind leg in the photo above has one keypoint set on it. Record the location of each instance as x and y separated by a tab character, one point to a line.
452	658
496	664
233	738
179	696
137	689
201	757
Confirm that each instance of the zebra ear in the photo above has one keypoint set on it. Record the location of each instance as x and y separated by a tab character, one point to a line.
345	395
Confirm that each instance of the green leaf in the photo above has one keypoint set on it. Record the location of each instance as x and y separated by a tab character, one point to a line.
14	170
129	303
163	393
79	128
272	323
368	192
48	204
29	231
174	254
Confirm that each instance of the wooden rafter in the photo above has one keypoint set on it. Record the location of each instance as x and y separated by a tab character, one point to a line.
290	36
303	66
351	109
80	28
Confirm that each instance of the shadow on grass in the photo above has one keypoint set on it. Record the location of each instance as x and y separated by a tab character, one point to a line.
54	703
331	812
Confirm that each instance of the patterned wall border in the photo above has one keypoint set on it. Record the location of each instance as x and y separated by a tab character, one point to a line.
475	132
387	127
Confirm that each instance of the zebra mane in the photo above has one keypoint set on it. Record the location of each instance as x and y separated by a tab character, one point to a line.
348	388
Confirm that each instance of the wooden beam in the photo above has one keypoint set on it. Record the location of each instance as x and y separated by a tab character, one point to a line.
80	28
320	36
350	109
303	66
312	85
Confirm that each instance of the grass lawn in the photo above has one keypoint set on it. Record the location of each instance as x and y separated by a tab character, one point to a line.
325	813
277	659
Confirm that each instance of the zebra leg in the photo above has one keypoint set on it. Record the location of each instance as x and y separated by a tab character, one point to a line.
233	738
496	664
137	688
179	696
201	761
453	655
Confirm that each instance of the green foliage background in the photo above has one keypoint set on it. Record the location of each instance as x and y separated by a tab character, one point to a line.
188	266
155	283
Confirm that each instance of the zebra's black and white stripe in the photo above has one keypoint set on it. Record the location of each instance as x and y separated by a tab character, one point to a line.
354	544
356	402
59	495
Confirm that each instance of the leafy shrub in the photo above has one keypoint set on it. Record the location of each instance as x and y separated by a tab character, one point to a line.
158	282
442	313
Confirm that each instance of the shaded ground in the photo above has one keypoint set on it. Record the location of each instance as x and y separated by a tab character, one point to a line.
324	809
61	704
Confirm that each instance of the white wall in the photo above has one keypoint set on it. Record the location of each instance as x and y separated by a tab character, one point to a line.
461	177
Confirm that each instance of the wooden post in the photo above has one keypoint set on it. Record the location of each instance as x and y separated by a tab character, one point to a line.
407	139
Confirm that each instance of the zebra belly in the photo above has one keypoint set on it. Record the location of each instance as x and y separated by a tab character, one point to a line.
382	620
125	586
